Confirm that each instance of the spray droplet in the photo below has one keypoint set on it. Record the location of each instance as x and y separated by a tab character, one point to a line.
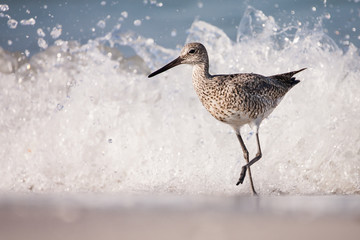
150	41
124	14
56	31
101	24
110	140
4	7
40	32
137	22
59	107
42	43
12	23
30	21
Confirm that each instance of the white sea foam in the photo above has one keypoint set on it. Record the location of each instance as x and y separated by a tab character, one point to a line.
85	118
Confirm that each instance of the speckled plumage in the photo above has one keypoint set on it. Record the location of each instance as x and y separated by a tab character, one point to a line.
235	99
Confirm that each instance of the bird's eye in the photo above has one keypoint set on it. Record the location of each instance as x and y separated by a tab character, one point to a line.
192	51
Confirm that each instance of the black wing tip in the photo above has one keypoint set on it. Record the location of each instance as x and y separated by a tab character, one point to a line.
294	81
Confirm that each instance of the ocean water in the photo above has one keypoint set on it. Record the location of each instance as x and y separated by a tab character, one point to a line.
78	113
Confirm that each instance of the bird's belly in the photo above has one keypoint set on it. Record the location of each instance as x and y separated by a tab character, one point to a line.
236	114
231	117
237	118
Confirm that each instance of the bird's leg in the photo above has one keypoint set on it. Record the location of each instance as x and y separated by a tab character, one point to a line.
254	160
246	156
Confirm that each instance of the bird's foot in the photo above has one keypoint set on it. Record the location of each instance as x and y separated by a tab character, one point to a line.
242	175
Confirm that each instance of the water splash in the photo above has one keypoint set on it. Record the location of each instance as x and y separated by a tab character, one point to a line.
63	107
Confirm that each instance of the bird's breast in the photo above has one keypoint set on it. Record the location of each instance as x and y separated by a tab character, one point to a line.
221	105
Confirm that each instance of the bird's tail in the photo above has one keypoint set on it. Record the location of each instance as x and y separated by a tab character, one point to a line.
287	77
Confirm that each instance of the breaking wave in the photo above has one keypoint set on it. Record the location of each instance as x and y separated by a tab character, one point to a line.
86	117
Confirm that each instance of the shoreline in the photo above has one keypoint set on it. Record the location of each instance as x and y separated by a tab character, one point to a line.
120	216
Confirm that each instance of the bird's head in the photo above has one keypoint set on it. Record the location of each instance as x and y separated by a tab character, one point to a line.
191	53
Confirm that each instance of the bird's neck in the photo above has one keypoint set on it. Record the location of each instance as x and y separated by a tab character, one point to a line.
200	74
201	81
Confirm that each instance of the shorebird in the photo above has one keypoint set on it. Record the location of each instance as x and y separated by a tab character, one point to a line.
235	99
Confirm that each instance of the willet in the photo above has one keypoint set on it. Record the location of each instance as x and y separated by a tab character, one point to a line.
235	99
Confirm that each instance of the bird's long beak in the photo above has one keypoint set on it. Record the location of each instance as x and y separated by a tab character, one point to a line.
172	64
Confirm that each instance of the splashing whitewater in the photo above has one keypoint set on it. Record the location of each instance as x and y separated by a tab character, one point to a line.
85	118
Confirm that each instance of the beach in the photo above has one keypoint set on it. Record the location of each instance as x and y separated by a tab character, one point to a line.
104	216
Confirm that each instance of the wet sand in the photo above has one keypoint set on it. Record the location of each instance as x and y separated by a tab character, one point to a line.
104	216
